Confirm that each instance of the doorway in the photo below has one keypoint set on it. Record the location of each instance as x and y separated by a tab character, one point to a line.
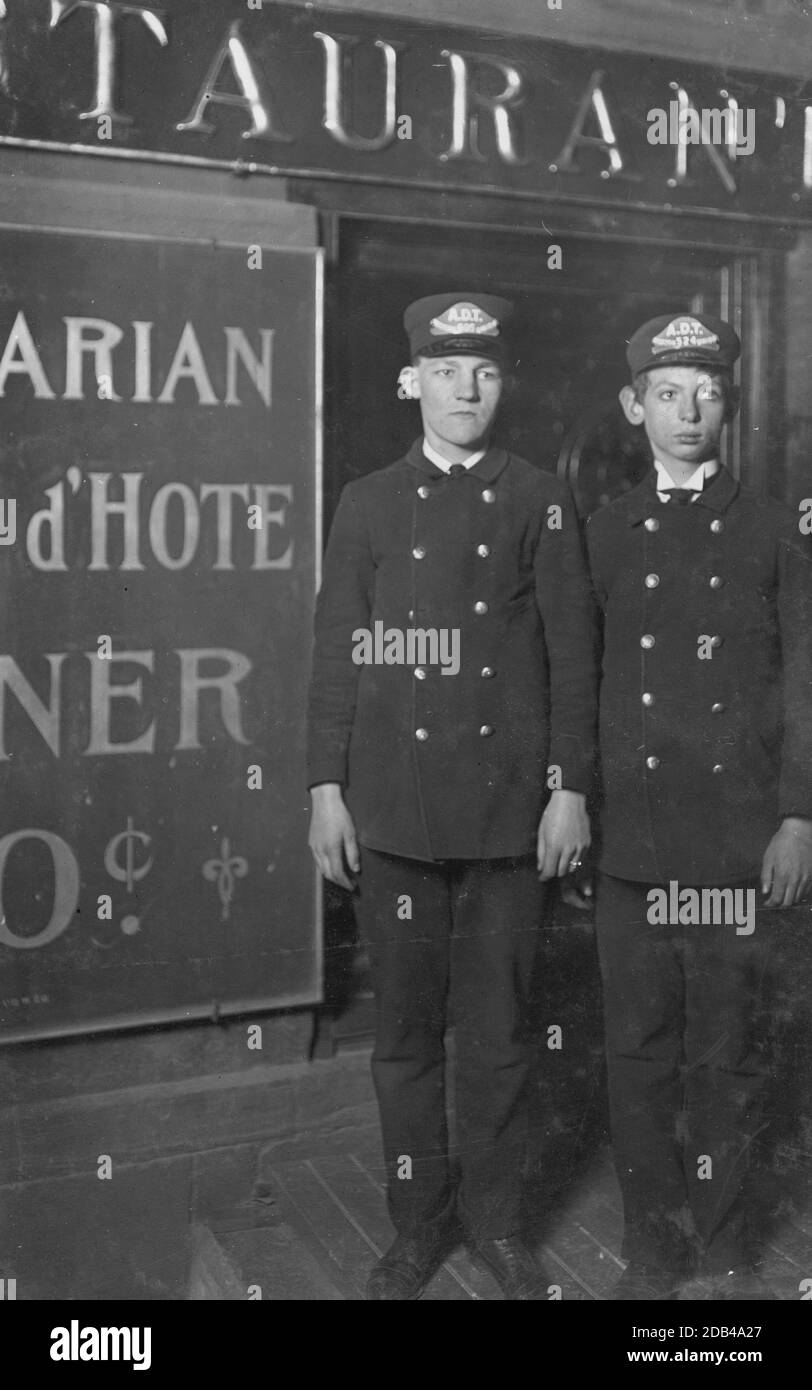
569	337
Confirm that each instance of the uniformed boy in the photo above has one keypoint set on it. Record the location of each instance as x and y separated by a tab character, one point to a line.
447	799
706	765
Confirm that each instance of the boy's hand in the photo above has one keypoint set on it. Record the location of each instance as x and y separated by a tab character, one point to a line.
332	835
786	874
563	835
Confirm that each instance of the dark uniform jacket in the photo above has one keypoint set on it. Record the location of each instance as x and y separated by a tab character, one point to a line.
701	758
455	766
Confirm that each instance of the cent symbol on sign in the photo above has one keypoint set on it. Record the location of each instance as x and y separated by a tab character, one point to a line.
127	873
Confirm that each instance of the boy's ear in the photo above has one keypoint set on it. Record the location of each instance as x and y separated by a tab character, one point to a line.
632	407
732	403
409	384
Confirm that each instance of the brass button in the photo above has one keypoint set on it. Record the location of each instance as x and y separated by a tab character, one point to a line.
653	763
419	673
423	491
647	641
652	580
487	673
717	767
486	731
419	552
651	523
421	735
483	551
717	641
648	699
716	581
717	527
718	708
488	495
480	608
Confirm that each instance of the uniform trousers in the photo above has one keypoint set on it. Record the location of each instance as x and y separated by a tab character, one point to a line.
687	1043
455	938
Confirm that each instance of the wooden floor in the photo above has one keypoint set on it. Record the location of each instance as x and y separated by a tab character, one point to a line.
326	1225
324	1204
331	1204
337	1206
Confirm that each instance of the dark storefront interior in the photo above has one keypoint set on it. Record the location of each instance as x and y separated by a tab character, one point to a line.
570	335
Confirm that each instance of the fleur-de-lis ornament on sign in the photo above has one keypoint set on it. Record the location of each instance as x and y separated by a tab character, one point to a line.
224	871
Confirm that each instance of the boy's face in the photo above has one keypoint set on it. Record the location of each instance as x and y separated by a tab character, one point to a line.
459	398
683	412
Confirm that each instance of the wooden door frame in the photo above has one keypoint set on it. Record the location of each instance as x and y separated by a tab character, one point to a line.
752	298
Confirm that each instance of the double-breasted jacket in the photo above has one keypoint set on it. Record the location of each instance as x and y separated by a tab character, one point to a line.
706	687
438	766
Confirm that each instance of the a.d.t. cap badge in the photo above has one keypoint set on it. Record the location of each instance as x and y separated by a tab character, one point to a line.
683	340
685	333
464	318
441	325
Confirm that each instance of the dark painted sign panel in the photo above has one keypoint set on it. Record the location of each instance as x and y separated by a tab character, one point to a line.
159	533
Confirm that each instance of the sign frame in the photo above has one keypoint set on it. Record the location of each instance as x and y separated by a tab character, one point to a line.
261	1003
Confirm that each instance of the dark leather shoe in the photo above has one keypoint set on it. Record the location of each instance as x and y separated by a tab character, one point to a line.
406	1268
646	1284
513	1267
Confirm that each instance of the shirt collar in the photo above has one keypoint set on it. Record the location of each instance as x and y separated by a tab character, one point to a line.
487	470
717	498
697	481
444	464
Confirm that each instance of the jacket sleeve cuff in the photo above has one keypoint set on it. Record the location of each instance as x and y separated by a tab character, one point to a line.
794	792
330	768
572	764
